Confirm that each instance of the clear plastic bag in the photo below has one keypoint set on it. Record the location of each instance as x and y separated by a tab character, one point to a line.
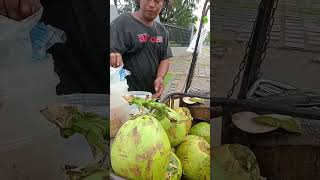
27	84
118	74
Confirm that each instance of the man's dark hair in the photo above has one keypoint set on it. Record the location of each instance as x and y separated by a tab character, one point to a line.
166	3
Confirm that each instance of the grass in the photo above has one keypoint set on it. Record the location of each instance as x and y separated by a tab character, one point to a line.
167	79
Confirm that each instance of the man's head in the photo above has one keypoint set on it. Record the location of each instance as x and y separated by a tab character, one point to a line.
150	9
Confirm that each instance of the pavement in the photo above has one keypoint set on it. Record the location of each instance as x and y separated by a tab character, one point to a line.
296	23
292	53
179	68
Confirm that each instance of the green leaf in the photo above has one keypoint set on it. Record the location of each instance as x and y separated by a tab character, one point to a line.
287	123
265	120
291	125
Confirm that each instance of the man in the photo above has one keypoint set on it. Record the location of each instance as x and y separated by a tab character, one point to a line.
141	44
80	62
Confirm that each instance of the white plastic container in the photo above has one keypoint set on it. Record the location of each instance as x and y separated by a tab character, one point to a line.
142	94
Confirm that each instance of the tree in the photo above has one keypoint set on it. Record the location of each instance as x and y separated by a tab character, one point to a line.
125	6
180	13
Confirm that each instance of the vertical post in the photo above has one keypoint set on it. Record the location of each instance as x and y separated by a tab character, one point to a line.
195	52
191	30
225	126
256	48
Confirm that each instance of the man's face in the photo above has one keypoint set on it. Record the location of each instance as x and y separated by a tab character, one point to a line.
151	8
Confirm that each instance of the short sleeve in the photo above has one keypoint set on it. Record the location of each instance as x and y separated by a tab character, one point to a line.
119	37
166	52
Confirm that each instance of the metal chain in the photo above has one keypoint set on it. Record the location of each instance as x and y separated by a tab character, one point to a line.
264	53
244	60
243	63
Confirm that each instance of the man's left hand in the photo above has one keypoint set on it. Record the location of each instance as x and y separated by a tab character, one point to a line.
159	87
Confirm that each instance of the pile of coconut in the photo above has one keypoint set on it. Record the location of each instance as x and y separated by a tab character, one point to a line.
161	143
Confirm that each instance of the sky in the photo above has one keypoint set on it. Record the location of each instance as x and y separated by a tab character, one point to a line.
197	12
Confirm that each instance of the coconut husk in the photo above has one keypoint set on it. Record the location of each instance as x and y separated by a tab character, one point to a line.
244	121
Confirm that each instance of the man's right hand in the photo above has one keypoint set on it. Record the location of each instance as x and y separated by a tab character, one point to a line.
19	9
115	60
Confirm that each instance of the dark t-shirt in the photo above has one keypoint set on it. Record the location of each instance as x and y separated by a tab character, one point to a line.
142	48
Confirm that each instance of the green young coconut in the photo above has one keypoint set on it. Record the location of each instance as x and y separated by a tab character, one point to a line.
235	162
201	129
174	170
194	154
141	149
186	116
173	123
176	131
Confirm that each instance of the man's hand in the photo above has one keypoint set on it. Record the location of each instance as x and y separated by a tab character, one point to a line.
161	73
159	87
115	60
19	9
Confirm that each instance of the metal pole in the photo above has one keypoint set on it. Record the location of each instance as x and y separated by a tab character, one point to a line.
195	53
255	52
191	28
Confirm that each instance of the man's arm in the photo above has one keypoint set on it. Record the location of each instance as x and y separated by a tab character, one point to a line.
161	73
163	68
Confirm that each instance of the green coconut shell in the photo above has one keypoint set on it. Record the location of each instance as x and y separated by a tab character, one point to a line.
141	149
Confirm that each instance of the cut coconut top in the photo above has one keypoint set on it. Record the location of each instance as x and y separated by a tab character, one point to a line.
192	100
244	121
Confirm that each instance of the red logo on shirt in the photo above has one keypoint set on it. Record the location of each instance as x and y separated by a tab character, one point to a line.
144	38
